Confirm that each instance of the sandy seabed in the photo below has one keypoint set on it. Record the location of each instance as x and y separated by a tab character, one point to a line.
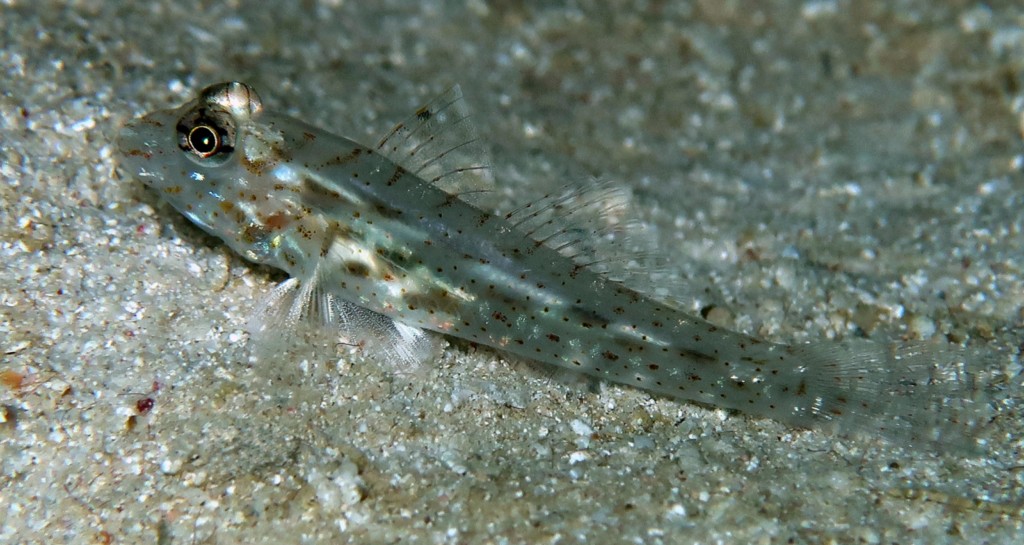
815	170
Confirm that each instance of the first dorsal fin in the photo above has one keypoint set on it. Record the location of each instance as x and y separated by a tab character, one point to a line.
439	144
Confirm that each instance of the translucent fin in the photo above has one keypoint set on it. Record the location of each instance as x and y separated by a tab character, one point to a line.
913	394
293	303
439	144
592	224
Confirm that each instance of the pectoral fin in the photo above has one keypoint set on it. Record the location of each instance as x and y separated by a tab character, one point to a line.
295	304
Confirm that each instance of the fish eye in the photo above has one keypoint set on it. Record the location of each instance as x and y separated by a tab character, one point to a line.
204	141
207	135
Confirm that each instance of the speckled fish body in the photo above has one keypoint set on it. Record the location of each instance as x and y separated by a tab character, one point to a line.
348	222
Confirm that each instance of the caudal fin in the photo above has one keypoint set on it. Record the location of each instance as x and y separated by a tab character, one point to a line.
914	394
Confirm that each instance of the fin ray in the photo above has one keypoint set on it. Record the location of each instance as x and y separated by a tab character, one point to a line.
916	393
293	303
439	143
592	223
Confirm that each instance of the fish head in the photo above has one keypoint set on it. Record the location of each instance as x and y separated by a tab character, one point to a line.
208	159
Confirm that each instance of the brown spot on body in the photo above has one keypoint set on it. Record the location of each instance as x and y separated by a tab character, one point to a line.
140	153
256	166
398	257
315	191
449	199
253	233
629	345
386	211
609	355
553	338
397	175
305	232
276	221
693	354
356	268
344	159
437	300
588	318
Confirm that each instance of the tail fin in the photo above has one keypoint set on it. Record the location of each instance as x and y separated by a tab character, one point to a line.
913	394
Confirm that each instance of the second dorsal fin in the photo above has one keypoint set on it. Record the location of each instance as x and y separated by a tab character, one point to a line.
593	224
